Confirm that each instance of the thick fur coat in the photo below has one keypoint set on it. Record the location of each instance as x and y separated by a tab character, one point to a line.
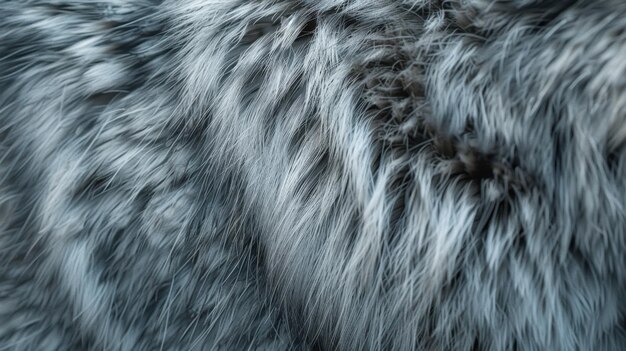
312	175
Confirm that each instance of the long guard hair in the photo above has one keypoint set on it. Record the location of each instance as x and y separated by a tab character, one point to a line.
312	175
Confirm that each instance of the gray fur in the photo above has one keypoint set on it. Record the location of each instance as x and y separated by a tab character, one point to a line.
312	174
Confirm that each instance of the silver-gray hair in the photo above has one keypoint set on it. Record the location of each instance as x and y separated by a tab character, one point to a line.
312	174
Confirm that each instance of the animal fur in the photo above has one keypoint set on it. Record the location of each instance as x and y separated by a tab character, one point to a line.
312	174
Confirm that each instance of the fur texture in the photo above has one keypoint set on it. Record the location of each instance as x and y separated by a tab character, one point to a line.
312	174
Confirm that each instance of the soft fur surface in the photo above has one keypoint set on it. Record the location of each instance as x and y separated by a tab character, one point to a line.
312	174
